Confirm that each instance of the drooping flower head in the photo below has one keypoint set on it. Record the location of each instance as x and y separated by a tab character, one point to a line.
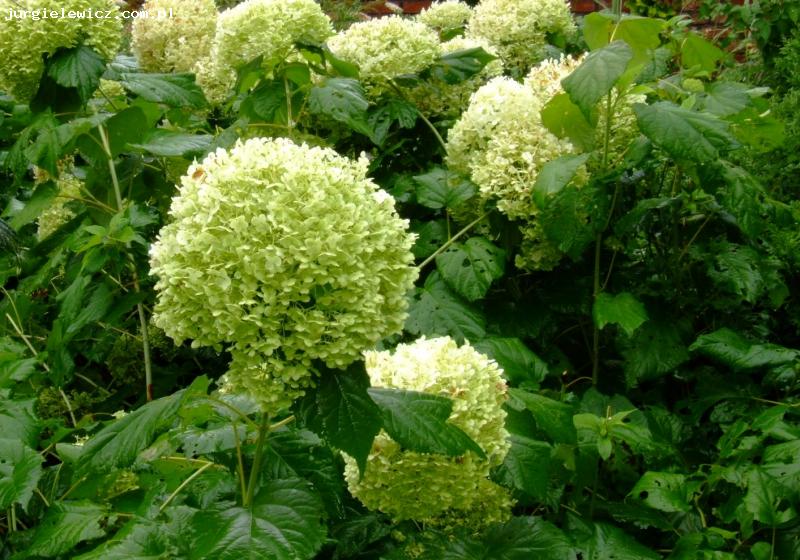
430	487
387	47
265	28
519	28
175	34
284	254
450	14
26	40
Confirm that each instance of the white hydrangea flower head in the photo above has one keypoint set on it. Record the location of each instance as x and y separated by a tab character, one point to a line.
173	43
441	16
58	213
266	28
386	47
430	487
443	99
25	42
519	28
544	79
285	254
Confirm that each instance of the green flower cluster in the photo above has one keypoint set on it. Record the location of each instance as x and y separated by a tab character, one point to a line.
441	16
442	99
385	48
286	254
26	41
173	43
518	29
434	488
59	213
501	144
266	28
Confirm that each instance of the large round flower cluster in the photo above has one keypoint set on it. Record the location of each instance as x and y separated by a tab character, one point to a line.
285	254
385	48
173	41
430	487
25	41
439	98
519	28
266	28
450	14
68	188
501	144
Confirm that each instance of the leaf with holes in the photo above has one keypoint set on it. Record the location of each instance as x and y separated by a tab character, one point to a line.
471	267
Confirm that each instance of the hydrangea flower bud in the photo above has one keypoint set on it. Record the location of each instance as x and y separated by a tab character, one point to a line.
284	254
175	34
435	488
26	40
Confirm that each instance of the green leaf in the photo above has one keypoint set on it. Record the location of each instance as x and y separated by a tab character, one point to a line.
731	349
267	101
20	471
458	66
742	198
65	525
685	134
139	539
441	188
169	143
175	90
697	52
393	110
565	119
118	443
518	362
654	350
418	422
436	311
470	268
664	491
552	417
41	199
725	98
768	501
284	523
430	236
126	127
623	309
343	100
610	543
526	466
567	219
641	34
79	67
526	538
18	420
555	175
340	410
598	73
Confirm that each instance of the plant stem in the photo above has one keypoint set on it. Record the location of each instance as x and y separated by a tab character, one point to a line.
183	485
239	459
69	407
453	239
148	368
254	471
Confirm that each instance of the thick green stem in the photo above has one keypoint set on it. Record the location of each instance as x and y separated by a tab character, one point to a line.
453	239
263	429
598	245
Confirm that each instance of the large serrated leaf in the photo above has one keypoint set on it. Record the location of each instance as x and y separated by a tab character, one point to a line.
733	350
598	73
687	135
436	311
555	175
525	538
340	410
552	417
470	268
20	471
79	67
169	143
17	419
669	492
457	66
65	525
175	90
526	466
441	188
343	100
140	539
768	501
284	523
519	363
655	349
622	309
418	422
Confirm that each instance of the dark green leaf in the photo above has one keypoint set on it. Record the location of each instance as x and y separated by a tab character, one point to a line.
669	492
526	538
518	362
41	199
685	134
268	100
435	310
18	420
176	144
725	98
565	119
470	268
623	309
418	422
598	73
393	110
610	543
65	525
343	100
139	539
175	90
555	175
441	188
430	236
20	471
457	66
526	466
566	219
284	523
731	349
79	67
552	417
654	350
768	501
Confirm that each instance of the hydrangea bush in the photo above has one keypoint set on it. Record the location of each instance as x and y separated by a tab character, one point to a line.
435	488
447	15
283	253
173	43
25	42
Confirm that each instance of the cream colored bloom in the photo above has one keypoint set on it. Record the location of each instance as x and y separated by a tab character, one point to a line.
173	43
441	16
26	41
283	254
427	487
